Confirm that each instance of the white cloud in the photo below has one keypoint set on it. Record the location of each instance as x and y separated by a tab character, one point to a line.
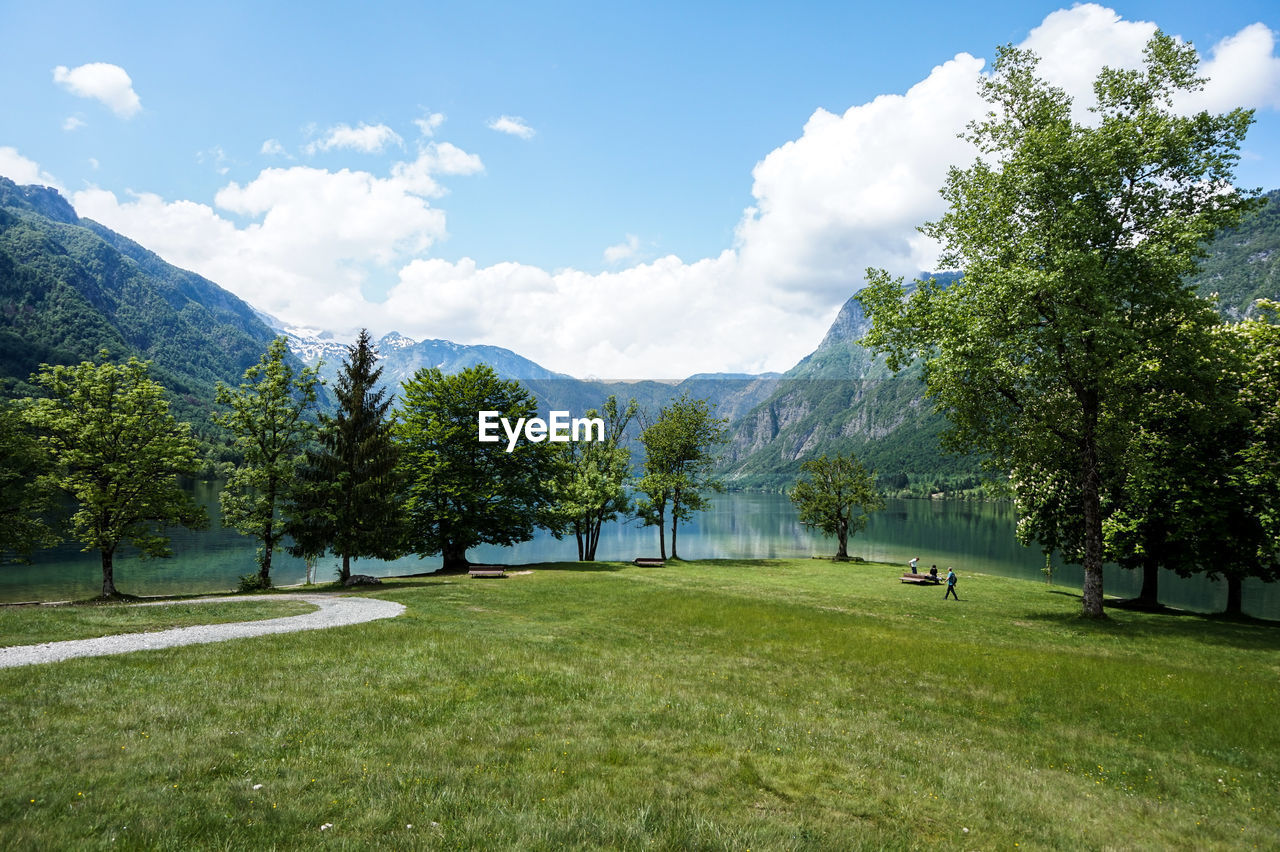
430	123
512	125
22	171
93	163
272	148
340	250
366	138
72	123
103	82
313	245
1243	71
624	250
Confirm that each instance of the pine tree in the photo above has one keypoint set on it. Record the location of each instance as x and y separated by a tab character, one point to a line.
348	497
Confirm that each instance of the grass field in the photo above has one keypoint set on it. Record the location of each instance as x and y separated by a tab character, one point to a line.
704	705
30	625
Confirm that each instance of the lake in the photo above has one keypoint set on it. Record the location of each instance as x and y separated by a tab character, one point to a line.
974	537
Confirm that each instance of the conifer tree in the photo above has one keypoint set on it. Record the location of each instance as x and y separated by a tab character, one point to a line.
347	499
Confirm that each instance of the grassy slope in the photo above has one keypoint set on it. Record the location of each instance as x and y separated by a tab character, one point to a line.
794	704
30	625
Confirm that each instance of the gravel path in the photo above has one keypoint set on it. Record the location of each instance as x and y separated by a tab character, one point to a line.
334	611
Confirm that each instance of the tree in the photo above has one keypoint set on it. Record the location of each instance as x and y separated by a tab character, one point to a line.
836	489
462	492
117	452
23	502
680	450
1075	239
347	496
594	488
269	418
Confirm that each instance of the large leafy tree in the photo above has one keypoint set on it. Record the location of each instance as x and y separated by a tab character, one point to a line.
347	496
1075	238
270	417
116	451
462	492
593	489
836	497
23	502
680	450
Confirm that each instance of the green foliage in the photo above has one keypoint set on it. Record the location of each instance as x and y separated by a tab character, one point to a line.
23	501
680	452
269	418
117	452
347	494
1075	240
836	498
461	492
70	288
593	488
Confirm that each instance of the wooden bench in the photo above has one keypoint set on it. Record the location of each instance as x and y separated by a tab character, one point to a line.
487	571
922	579
650	562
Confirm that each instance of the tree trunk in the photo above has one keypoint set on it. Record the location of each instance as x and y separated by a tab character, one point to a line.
675	524
455	558
1150	594
842	541
108	575
1091	491
346	568
662	535
268	545
1235	595
582	545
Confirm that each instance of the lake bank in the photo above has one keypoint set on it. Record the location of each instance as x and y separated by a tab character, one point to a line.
971	535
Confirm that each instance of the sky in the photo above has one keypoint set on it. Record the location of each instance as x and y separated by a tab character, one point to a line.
614	190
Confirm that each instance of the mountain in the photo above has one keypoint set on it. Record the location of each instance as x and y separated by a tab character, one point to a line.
70	287
841	399
1244	263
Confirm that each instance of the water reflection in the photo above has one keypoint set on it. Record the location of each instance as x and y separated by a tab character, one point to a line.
973	537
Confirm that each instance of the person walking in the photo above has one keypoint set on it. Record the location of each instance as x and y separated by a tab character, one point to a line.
951	584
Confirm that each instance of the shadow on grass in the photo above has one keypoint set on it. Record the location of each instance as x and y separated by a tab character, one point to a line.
1243	633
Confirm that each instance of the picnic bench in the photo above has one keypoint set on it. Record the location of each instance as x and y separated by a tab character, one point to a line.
650	561
487	571
922	579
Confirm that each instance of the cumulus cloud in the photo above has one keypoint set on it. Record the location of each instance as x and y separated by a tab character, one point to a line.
345	249
512	125
1243	71
366	138
272	148
22	171
624	250
318	247
72	122
430	123
103	82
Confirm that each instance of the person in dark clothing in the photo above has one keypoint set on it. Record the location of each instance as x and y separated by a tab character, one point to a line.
951	585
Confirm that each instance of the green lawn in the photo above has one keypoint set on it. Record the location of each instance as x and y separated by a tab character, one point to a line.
30	625
704	705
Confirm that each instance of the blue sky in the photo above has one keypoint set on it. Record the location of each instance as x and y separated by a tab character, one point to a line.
712	170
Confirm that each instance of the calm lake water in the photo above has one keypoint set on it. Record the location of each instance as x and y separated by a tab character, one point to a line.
973	537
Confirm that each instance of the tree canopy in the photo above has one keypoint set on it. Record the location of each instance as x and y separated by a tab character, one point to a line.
1075	238
117	452
836	497
269	418
461	492
680	451
593	488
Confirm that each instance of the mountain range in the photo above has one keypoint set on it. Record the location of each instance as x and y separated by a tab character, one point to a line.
70	287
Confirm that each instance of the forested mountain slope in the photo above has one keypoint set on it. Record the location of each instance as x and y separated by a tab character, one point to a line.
70	287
